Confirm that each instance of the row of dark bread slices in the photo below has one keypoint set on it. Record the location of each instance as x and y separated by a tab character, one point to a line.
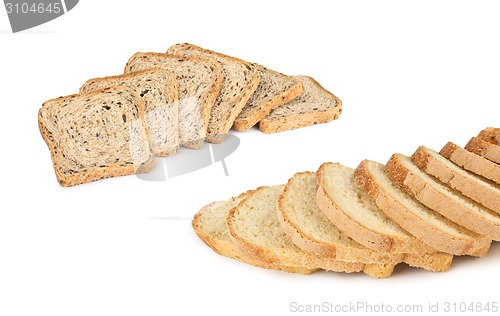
183	97
421	210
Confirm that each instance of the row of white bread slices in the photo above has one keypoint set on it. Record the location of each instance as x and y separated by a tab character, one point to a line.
421	210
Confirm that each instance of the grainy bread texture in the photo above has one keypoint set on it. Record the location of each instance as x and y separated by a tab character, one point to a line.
442	199
210	225
471	162
477	188
315	105
274	89
490	134
240	80
97	135
483	148
422	222
199	85
158	89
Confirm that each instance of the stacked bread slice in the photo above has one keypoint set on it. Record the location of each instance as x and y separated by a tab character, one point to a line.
185	96
421	210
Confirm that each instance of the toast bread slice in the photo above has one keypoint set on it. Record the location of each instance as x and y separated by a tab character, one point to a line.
485	149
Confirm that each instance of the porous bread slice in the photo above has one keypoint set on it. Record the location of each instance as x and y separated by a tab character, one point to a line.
315	105
210	225
274	89
471	162
442	199
199	85
353	212
96	135
255	230
309	229
475	187
483	148
422	222
490	134
158	89
240	80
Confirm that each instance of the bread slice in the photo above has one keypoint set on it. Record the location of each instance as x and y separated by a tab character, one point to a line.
159	91
353	212
274	89
97	135
210	225
240	80
422	222
491	135
199	85
315	105
471	162
477	188
309	229
442	199
483	148
254	228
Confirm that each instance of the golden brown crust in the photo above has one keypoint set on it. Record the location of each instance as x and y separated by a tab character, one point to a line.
483	148
490	134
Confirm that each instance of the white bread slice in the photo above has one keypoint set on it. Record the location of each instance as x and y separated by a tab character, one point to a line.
471	162
315	105
254	228
483	148
199	85
353	212
210	225
159	91
442	199
477	188
240	80
309	229
97	135
274	89
490	134
422	222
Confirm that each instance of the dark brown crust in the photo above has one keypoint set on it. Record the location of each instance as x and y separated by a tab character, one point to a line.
491	135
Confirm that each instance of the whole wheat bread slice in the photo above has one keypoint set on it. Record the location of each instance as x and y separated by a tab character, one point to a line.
483	148
471	162
274	90
210	225
315	105
199	85
240	80
422	222
97	135
442	199
475	187
490	134
159	91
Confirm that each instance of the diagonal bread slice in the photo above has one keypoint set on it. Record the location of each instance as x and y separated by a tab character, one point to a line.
199	85
477	188
309	229
274	90
210	225
442	199
490	134
483	148
422	222
471	162
240	80
97	135
254	228
315	105
158	89
353	212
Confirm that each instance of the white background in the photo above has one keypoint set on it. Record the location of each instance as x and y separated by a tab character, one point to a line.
408	73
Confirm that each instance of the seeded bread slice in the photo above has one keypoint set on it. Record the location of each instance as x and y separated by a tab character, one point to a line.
483	148
422	222
240	80
477	188
315	105
274	89
199	85
159	91
210	225
309	229
97	135
491	135
442	199
471	162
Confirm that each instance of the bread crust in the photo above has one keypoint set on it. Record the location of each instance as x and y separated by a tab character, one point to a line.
483	148
490	134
